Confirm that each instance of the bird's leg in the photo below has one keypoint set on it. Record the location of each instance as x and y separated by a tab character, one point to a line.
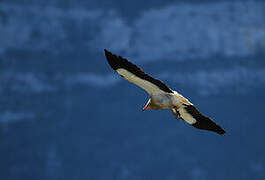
175	113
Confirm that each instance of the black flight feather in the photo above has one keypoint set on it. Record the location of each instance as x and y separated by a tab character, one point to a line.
117	62
203	122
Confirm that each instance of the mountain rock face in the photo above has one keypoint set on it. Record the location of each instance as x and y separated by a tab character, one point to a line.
64	114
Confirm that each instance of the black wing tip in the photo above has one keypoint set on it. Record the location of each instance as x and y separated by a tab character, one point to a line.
112	59
210	126
106	51
220	131
203	122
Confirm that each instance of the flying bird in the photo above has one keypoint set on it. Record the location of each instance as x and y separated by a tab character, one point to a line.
161	96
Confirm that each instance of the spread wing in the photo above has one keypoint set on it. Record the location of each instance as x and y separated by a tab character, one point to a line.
135	75
192	116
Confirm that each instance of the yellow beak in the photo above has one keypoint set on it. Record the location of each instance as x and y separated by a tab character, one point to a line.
147	107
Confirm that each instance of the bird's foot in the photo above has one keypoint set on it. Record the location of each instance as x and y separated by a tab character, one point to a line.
175	113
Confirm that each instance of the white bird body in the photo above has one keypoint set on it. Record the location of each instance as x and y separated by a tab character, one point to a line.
162	97
172	101
167	100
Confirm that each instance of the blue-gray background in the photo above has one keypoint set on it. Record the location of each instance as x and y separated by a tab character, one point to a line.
64	114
